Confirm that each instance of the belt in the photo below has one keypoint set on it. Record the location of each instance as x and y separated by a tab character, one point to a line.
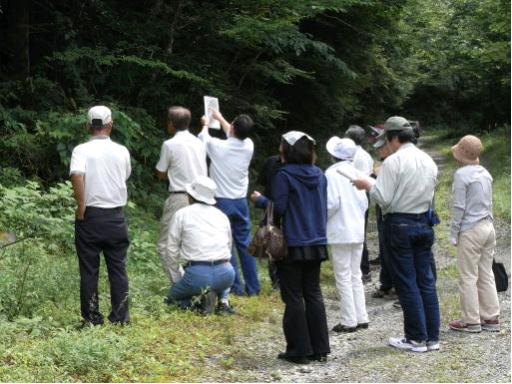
414	216
176	192
211	263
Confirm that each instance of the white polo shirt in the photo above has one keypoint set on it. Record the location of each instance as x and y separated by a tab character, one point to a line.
198	232
105	166
183	157
229	168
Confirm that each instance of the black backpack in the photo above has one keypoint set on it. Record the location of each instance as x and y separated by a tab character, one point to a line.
500	276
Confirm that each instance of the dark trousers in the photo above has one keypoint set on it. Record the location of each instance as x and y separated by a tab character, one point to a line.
409	240
365	261
385	277
102	230
304	321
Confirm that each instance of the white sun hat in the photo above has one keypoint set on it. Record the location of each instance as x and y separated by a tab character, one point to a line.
202	189
343	149
293	136
99	115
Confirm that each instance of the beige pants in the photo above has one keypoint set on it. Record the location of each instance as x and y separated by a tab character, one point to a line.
173	203
478	295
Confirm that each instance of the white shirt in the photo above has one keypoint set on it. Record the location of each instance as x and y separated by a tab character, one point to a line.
346	207
362	161
472	198
105	166
198	232
229	168
183	157
406	181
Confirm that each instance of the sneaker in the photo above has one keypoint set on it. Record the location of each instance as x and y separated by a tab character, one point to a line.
459	325
208	301
224	309
408	345
339	328
491	325
397	304
432	345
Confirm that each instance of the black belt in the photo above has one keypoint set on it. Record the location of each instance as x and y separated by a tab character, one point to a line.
216	262
414	216
175	192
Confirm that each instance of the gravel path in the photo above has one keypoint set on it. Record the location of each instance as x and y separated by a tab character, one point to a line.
363	356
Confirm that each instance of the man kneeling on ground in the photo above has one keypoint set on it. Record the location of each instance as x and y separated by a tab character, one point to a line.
200	235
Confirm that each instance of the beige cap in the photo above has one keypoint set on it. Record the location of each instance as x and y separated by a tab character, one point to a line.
467	150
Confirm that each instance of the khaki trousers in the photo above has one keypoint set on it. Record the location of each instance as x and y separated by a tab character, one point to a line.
173	203
478	295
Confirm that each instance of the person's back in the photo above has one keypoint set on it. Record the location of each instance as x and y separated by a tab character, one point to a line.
346	207
107	167
300	192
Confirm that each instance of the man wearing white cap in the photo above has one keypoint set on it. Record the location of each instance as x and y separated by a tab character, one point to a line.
200	236
404	190
99	170
182	160
346	207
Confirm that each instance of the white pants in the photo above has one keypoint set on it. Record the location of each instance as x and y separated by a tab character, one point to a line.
346	262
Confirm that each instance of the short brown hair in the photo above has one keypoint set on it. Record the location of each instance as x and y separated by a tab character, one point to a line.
179	117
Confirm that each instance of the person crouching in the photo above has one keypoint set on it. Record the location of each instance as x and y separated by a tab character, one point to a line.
200	235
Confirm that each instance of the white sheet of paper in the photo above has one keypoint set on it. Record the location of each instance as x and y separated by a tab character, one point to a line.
354	174
211	103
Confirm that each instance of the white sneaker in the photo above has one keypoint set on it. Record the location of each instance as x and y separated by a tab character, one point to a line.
433	345
409	345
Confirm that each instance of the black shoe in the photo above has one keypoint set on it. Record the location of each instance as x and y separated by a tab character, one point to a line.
208	301
320	357
366	278
293	359
362	326
343	328
224	309
375	261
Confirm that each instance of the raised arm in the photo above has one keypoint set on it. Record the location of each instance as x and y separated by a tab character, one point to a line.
223	122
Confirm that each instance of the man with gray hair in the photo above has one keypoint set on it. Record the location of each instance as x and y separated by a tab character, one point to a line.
182	160
99	169
404	190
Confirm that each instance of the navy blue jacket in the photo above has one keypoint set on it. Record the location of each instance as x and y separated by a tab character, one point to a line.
300	196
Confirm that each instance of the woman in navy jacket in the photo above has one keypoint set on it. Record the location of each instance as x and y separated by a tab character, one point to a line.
299	190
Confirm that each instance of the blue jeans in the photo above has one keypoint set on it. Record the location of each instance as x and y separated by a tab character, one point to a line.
237	211
198	278
409	240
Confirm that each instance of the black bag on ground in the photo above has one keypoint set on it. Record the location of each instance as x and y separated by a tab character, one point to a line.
500	276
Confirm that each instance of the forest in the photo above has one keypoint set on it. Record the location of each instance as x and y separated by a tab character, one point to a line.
316	66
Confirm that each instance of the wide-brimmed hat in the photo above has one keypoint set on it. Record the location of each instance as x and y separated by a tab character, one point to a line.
98	116
202	189
292	137
467	150
343	149
397	123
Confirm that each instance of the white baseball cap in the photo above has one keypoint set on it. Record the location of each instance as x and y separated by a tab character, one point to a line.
202	189
293	136
99	116
343	149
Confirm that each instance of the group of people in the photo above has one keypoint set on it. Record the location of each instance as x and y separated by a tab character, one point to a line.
205	226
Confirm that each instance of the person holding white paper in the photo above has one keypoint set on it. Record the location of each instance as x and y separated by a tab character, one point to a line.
346	207
229	168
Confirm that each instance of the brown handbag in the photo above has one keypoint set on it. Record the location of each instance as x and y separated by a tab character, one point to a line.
268	241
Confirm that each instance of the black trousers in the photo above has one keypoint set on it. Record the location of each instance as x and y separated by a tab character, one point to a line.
102	230
304	321
365	261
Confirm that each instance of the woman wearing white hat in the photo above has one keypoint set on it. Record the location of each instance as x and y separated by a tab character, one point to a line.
346	207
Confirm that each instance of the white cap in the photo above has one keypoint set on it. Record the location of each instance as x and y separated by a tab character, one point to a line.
202	189
343	149
99	114
293	136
